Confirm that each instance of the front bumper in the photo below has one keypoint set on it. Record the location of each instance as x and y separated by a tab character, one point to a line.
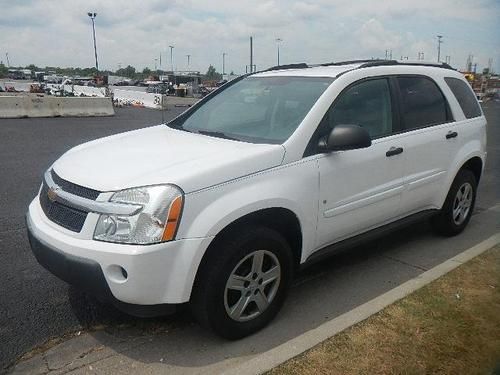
155	274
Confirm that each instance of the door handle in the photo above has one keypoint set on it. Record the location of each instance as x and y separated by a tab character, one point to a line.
394	151
450	135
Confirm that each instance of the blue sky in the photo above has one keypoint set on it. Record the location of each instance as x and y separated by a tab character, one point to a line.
58	33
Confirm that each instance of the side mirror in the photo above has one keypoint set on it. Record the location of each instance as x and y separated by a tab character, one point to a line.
345	137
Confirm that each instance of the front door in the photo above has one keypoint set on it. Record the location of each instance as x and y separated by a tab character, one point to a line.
361	189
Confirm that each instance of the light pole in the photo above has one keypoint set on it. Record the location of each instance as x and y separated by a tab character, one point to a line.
189	57
439	37
92	16
223	64
278	41
172	57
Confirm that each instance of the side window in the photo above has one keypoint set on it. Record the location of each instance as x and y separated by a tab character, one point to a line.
367	104
465	97
422	102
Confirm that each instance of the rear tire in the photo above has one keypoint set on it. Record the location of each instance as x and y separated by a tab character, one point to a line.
243	283
458	206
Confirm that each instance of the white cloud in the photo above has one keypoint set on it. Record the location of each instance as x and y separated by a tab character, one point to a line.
374	37
51	32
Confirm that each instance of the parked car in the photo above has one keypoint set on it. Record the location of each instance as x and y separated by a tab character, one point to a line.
275	170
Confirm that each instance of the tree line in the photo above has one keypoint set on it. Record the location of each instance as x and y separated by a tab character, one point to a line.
129	72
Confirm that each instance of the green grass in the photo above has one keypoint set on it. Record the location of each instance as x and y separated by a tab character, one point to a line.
451	326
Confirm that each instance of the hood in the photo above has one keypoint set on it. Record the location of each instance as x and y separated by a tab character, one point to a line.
158	155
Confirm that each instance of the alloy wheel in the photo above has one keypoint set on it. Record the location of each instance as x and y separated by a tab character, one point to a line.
462	203
252	285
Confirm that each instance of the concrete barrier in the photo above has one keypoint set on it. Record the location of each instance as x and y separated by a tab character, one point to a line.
49	106
137	99
127	88
149	100
78	90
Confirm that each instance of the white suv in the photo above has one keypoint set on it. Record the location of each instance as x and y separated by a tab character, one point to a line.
273	171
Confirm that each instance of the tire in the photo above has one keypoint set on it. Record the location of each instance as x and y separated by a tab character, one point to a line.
458	206
235	313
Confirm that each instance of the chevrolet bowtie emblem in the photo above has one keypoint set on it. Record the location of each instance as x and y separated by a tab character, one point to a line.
52	194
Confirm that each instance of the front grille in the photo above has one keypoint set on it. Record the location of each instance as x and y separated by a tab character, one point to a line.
67	217
74	188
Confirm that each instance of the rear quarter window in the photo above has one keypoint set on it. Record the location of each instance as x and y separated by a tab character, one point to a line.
465	97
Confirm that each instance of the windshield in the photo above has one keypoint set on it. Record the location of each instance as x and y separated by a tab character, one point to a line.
257	109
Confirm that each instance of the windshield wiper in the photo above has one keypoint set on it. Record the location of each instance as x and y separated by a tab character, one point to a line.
217	134
178	127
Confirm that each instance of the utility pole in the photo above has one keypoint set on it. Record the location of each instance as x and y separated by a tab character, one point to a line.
223	64
92	16
278	41
188	57
439	37
172	57
7	57
251	54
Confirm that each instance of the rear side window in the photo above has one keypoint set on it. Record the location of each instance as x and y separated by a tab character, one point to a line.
422	102
465	97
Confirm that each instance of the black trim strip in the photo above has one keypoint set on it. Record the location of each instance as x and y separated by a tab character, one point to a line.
370	235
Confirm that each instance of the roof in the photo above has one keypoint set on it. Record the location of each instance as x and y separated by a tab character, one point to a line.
335	69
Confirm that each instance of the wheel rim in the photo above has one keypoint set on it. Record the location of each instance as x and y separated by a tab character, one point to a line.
462	203
252	285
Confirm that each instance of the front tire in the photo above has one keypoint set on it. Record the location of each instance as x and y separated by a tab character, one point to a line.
243	283
458	206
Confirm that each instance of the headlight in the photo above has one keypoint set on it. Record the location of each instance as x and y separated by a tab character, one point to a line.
156	222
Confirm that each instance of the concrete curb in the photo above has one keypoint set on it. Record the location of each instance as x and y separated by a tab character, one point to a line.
274	357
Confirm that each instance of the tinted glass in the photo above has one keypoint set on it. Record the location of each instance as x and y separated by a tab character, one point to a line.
367	104
422	103
465	97
258	109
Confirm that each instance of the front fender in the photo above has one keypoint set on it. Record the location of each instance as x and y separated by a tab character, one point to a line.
294	187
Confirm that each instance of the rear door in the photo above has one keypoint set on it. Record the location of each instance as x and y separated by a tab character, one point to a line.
429	140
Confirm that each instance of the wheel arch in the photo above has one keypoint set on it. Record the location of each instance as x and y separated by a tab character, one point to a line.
472	158
281	219
475	165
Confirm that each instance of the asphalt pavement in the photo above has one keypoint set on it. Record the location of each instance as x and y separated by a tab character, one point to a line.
35	306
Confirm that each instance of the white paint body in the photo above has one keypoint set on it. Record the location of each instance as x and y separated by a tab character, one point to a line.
334	196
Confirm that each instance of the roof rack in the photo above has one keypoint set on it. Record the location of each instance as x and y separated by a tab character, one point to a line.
288	66
363	64
349	62
412	63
